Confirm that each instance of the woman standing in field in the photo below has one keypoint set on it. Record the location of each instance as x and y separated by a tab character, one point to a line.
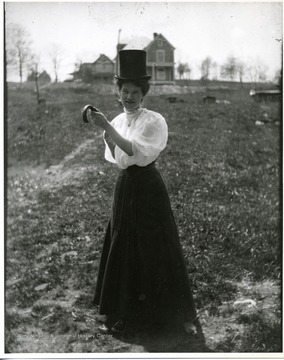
142	277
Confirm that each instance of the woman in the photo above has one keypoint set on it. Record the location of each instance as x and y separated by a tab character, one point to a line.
142	276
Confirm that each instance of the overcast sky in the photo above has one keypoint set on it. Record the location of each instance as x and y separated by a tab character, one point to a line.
251	31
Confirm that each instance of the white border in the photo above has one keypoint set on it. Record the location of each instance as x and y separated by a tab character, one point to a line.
174	356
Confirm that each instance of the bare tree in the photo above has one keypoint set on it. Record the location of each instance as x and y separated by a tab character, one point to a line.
257	71
229	69
34	68
56	55
240	70
261	70
251	73
278	78
215	70
188	71
182	69
206	68
18	48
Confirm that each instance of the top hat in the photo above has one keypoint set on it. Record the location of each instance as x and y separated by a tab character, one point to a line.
132	65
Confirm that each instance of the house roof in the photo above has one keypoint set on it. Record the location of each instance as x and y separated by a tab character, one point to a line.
138	43
142	42
44	74
103	58
156	36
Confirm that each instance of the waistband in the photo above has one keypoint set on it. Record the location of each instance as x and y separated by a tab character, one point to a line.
135	169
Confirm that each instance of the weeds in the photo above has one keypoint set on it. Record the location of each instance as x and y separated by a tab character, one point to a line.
261	334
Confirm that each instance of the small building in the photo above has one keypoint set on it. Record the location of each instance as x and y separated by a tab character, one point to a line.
101	70
160	57
266	95
42	78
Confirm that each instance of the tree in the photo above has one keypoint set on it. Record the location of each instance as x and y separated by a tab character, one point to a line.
18	48
229	69
215	70
206	68
182	69
261	70
86	74
34	67
56	55
240	70
278	78
257	71
251	74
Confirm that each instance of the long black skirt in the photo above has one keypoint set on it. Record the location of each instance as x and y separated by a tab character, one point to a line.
142	275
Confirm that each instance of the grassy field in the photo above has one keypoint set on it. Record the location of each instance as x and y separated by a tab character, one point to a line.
222	168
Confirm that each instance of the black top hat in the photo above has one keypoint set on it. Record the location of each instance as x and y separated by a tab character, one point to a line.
132	65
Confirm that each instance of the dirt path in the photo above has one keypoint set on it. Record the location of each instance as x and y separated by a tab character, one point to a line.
61	320
57	175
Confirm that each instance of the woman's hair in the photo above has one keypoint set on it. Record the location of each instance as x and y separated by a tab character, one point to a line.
142	83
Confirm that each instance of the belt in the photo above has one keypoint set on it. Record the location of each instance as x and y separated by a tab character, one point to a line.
135	169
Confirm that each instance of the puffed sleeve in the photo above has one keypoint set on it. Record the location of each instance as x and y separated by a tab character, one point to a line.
152	138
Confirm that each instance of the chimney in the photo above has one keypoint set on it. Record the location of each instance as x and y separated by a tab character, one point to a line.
155	35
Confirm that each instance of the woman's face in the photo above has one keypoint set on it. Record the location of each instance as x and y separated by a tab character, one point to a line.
131	96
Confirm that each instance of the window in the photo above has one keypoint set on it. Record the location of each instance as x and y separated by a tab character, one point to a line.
160	42
160	56
161	75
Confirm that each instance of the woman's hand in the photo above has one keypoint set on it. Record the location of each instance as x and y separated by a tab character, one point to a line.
97	119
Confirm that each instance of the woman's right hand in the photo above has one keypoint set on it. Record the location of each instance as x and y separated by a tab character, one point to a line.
97	118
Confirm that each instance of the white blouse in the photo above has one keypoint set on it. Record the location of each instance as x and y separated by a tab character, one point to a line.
148	132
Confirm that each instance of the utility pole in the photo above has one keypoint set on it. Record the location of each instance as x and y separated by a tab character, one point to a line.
117	51
153	73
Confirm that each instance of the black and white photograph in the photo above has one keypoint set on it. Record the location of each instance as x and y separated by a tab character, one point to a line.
142	178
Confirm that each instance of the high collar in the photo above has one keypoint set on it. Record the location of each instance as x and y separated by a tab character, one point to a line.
133	114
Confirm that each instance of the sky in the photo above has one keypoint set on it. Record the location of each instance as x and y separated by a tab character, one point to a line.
250	31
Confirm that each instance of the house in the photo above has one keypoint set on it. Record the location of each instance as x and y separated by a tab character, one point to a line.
42	78
266	95
160	57
102	70
160	62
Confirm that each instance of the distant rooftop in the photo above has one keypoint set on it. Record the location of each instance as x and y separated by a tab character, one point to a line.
138	43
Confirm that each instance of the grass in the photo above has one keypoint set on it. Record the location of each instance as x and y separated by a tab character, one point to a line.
222	172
